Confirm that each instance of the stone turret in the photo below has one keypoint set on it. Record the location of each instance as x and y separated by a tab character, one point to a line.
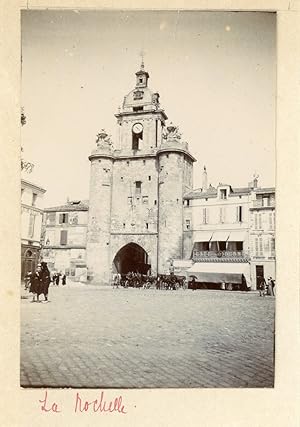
98	233
175	167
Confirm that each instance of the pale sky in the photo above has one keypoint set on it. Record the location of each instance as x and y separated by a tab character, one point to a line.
215	73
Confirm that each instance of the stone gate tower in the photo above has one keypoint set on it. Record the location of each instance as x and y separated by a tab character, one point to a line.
136	190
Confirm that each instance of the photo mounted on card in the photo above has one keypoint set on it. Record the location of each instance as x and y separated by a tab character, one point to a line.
148	199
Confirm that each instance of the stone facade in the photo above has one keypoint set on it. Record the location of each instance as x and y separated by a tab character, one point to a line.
137	190
231	225
31	225
65	235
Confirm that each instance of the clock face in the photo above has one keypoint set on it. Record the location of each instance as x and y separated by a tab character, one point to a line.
137	128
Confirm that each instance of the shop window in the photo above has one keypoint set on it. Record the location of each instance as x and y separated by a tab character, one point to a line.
222	246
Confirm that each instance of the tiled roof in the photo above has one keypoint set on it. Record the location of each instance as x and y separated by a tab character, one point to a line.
212	192
74	205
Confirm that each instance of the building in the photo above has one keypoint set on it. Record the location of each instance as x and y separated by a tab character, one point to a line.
229	234
262	234
65	229
31	225
137	190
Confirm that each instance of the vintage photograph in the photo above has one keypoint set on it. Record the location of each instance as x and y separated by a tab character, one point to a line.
148	199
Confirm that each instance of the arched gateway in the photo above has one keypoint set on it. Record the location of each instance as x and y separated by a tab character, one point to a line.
131	257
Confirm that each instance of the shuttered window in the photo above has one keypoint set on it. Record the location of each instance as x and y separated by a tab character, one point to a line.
63	218
63	237
31	226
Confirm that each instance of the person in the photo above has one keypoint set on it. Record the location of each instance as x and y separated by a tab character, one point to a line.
262	288
271	285
45	274
54	278
36	284
57	279
193	284
64	279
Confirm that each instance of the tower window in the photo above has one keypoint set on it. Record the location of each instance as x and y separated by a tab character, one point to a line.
127	162
122	178
145	200
138	108
155	202
138	188
63	237
141	80
188	224
124	225
147	225
149	178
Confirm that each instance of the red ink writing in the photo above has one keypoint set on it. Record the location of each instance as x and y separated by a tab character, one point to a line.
100	405
47	407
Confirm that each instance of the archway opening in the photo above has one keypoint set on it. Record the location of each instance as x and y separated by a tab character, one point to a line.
132	258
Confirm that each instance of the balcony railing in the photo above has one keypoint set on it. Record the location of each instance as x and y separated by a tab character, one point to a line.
242	256
261	204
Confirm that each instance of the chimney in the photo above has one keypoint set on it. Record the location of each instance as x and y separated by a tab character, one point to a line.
255	180
204	179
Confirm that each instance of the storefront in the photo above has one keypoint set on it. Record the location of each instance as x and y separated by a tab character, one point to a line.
229	276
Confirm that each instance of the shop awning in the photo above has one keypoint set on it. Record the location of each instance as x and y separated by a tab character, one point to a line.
202	236
219	272
237	236
220	236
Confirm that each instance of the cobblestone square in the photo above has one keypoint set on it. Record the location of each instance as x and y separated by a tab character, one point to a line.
97	337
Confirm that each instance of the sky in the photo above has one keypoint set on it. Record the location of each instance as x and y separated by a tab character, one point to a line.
215	73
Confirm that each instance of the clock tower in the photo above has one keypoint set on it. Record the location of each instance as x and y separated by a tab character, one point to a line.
136	190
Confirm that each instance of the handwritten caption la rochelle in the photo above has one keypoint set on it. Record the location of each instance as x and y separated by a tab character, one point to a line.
100	405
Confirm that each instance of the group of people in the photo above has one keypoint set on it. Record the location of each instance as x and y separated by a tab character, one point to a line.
38	282
146	281
267	287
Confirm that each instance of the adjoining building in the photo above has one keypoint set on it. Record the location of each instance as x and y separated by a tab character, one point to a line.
229	234
65	229
31	225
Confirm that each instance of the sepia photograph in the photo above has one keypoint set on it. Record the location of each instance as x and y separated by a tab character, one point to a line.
148	234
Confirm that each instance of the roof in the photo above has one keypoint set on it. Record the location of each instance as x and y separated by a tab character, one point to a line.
212	192
26	183
73	205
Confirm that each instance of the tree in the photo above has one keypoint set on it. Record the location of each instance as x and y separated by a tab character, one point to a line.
25	165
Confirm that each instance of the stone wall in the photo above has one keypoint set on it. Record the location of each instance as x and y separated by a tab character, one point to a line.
98	235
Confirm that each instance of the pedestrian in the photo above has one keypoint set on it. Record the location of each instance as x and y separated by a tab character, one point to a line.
271	285
193	284
262	287
54	278
64	279
45	274
57	279
36	284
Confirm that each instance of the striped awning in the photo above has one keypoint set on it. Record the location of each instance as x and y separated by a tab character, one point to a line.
237	236
220	236
202	236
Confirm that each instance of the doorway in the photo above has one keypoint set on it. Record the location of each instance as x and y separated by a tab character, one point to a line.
259	275
132	258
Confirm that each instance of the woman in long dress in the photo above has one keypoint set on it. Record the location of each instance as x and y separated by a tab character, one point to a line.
36	284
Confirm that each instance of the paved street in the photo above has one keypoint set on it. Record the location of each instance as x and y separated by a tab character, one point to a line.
97	337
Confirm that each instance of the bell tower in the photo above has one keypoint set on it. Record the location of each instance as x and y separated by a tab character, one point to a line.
141	120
